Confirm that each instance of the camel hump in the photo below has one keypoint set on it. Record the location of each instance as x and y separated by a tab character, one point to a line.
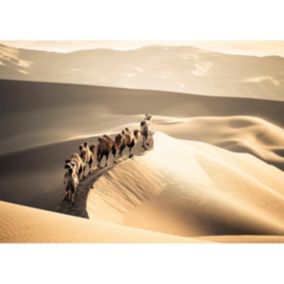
101	139
107	137
118	137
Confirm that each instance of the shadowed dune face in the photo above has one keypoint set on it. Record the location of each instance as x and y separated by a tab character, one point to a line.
39	113
176	69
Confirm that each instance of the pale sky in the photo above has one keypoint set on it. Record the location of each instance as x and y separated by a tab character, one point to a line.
257	48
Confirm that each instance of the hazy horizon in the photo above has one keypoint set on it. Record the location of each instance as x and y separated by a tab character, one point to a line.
254	48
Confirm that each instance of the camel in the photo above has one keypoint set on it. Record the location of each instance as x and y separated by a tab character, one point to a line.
103	149
145	131
93	149
71	182
120	142
86	156
109	145
77	163
131	139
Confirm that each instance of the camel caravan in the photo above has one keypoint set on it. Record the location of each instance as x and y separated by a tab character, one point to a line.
89	155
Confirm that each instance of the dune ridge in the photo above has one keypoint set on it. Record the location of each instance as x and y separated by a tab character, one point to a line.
244	134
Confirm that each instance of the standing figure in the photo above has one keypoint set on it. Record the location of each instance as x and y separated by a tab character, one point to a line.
145	130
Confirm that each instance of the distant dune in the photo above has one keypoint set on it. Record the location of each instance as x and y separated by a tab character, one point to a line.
165	68
41	113
244	134
215	172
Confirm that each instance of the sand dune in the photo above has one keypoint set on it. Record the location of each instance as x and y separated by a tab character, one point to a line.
39	226
34	114
187	191
245	134
244	239
191	189
42	123
164	68
214	171
29	225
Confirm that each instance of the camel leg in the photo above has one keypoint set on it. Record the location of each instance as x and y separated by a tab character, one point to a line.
84	170
99	158
64	197
73	196
107	155
121	150
114	153
80	172
69	195
144	142
90	165
130	155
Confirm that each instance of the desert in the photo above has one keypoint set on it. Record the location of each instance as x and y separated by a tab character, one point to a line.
213	171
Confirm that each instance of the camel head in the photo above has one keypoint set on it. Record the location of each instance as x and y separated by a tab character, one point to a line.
148	116
136	133
93	148
118	138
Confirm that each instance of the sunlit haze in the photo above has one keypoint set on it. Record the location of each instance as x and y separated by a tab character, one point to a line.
257	48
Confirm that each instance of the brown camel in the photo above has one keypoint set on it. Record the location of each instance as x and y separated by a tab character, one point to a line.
109	145
131	139
71	182
86	156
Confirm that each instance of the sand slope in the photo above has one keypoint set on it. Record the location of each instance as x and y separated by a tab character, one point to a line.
21	224
245	134
180	189
29	225
191	189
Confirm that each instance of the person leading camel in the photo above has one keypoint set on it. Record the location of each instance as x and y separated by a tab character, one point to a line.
145	130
